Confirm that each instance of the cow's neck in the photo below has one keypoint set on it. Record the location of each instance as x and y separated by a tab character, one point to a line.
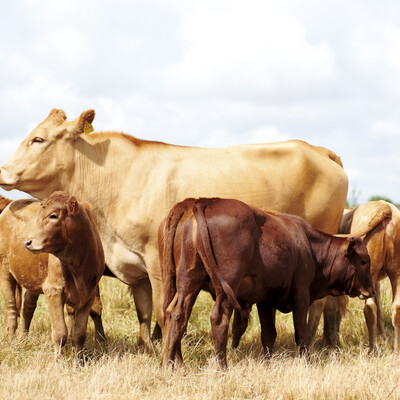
331	266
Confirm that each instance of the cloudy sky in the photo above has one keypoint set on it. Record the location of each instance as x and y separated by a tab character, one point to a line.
213	73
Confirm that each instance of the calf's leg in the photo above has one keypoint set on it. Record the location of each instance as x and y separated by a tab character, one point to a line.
370	312
79	327
29	307
95	314
268	330
395	281
7	287
239	325
220	316
379	312
59	333
314	316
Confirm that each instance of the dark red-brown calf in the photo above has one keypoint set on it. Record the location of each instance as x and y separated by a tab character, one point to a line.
250	256
66	229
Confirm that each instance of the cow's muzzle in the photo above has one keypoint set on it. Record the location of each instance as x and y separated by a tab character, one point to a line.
366	294
31	247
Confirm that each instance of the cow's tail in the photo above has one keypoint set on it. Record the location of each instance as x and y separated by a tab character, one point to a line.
168	267
18	298
383	213
208	257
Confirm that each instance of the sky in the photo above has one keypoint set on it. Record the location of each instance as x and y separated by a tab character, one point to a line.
213	73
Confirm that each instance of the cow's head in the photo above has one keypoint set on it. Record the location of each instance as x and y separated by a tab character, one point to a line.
45	157
358	272
54	225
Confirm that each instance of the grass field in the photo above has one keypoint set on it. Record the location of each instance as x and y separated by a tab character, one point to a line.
121	370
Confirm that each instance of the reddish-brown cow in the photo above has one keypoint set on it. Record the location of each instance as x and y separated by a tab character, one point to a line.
250	256
66	229
18	266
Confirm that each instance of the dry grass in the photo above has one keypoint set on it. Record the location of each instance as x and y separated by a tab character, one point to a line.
121	370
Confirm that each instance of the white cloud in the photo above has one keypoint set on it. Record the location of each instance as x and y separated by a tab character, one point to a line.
248	48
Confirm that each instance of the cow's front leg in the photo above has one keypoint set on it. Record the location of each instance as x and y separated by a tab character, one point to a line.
220	317
59	332
268	330
141	292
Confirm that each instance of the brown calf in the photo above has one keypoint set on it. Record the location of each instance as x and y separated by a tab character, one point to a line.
18	266
65	228
250	256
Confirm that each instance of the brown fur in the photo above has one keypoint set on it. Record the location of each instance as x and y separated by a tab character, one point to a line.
67	230
241	249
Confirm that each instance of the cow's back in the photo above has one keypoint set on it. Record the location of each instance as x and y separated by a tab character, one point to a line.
288	177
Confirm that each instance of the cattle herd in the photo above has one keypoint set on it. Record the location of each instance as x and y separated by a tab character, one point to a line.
252	224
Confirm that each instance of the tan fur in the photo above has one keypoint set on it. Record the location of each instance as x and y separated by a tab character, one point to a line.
132	184
382	221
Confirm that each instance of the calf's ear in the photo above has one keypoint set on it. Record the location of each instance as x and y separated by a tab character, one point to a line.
72	206
350	247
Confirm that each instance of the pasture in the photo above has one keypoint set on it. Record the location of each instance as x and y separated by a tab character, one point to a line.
121	370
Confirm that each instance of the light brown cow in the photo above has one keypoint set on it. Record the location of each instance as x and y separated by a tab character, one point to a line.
382	221
18	266
65	228
377	222
132	184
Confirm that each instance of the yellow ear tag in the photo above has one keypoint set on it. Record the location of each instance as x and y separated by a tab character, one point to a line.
88	128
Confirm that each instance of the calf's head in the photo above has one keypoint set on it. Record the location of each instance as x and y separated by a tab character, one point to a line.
54	225
358	275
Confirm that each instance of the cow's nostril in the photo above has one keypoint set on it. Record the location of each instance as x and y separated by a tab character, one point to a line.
28	242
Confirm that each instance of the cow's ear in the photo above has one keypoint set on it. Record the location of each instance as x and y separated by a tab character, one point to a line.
57	115
84	123
72	206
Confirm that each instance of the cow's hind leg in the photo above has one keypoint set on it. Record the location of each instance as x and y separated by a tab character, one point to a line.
220	316
143	301
268	330
29	307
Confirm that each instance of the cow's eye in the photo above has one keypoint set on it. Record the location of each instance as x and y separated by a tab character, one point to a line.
53	216
363	262
37	140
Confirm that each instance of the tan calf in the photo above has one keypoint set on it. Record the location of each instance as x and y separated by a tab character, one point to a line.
19	266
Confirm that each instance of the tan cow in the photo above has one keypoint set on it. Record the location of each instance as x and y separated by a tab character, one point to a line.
132	184
18	266
382	221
